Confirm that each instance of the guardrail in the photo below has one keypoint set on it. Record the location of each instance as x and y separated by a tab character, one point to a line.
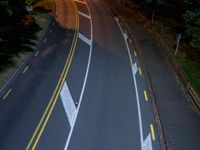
186	84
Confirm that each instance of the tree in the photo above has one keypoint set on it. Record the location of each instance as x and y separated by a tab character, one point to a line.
192	19
5	7
17	31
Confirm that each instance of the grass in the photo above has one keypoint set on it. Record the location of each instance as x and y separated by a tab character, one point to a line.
188	64
192	72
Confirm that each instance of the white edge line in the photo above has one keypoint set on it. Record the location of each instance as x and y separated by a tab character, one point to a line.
83	88
139	110
84	15
135	84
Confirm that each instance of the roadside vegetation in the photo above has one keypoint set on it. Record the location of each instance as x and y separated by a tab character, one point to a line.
20	32
192	71
172	19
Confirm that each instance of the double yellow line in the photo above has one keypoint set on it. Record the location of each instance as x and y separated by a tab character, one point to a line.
47	113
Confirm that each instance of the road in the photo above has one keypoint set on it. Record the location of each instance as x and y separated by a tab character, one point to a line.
83	89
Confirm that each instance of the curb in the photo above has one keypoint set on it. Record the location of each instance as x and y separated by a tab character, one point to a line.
162	138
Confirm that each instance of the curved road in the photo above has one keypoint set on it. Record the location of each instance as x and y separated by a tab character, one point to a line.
84	89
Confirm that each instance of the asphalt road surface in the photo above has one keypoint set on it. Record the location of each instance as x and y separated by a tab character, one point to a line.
83	89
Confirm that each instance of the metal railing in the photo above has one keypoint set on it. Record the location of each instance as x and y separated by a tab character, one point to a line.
186	84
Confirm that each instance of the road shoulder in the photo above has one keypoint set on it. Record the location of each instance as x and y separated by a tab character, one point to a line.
176	113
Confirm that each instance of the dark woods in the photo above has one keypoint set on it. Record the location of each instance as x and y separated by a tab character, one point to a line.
184	16
17	31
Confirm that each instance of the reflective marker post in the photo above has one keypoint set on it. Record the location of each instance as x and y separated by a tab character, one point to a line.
29	8
178	42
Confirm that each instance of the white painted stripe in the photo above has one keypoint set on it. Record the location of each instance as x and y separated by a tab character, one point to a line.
138	106
82	2
85	39
84	15
68	104
147	145
84	83
134	69
90	55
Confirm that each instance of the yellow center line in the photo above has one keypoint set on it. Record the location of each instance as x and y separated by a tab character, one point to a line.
25	69
135	53
7	93
152	132
52	107
58	88
145	95
49	104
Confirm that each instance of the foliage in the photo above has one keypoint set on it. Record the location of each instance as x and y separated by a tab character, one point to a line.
5	7
17	31
184	13
192	72
192	19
